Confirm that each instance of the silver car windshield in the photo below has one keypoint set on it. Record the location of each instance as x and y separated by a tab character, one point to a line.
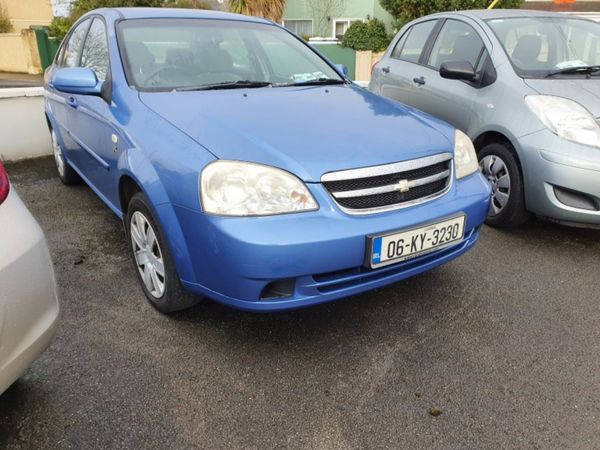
546	46
190	54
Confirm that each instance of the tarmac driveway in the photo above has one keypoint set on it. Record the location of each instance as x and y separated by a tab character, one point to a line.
504	343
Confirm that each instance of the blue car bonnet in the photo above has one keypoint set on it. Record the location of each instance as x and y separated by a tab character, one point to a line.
306	130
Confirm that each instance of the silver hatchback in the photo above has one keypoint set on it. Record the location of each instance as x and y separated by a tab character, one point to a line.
525	87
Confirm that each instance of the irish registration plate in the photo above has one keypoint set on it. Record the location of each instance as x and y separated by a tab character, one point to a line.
400	245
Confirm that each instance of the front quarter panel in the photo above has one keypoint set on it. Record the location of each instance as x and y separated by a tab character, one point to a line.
166	164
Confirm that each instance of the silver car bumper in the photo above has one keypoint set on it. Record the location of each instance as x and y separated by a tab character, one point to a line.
28	302
562	179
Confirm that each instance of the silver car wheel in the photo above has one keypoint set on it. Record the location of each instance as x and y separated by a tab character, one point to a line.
496	172
148	256
58	156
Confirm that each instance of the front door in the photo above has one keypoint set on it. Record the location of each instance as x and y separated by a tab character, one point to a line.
452	100
91	121
60	102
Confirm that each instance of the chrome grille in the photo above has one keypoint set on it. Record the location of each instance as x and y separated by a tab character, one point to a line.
373	189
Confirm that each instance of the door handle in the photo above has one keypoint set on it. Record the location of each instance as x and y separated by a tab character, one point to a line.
385	69
72	102
420	81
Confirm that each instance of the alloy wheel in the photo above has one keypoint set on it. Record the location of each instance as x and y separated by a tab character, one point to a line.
496	172
148	255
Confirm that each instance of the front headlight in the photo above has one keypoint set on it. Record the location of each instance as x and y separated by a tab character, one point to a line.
235	188
565	118
465	158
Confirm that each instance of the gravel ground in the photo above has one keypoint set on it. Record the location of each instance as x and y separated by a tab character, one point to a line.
501	345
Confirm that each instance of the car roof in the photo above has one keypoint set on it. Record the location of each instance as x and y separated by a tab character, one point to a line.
181	13
485	14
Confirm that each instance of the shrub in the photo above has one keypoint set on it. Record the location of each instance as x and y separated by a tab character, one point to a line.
59	27
369	35
189	4
5	23
406	10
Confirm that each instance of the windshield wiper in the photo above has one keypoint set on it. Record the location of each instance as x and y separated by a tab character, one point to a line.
586	70
317	82
226	85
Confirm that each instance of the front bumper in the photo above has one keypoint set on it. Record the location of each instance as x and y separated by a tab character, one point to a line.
554	166
234	259
28	302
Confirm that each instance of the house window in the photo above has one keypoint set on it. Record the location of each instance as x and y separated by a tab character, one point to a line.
302	27
340	26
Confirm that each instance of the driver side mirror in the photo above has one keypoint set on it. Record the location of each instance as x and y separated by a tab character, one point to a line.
458	70
342	69
77	80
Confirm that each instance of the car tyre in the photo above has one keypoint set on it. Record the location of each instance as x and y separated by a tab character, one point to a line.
498	163
152	259
66	173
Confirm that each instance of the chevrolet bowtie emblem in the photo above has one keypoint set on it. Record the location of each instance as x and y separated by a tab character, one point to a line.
403	186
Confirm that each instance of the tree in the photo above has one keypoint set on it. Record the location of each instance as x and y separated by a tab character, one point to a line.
80	7
323	11
61	25
189	4
406	10
269	9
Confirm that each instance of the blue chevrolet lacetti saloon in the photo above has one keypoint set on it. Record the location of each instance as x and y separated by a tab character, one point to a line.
247	168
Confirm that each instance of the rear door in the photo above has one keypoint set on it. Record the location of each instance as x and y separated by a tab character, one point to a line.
400	70
453	100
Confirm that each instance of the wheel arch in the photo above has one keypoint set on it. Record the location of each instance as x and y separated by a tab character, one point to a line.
128	187
493	136
131	181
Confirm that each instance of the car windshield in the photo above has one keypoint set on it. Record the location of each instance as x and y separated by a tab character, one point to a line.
540	47
188	54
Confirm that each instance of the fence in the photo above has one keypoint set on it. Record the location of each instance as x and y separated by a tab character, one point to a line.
23	126
18	52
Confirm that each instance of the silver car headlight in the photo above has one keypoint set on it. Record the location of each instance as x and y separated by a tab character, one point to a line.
465	158
565	118
236	188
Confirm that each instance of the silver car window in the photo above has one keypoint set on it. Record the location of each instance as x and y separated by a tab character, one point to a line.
415	41
457	41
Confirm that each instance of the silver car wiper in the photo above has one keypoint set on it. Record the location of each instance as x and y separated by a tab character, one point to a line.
226	85
587	70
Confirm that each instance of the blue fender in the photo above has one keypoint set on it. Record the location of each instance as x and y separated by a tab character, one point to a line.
135	165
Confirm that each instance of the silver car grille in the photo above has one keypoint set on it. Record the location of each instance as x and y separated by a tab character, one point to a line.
380	188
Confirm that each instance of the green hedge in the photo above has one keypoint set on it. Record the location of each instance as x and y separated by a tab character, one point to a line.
406	10
369	35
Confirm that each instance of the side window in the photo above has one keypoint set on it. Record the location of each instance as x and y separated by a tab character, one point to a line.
457	41
95	50
398	48
415	42
70	53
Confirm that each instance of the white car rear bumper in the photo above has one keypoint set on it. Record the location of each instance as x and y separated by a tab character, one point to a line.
28	302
